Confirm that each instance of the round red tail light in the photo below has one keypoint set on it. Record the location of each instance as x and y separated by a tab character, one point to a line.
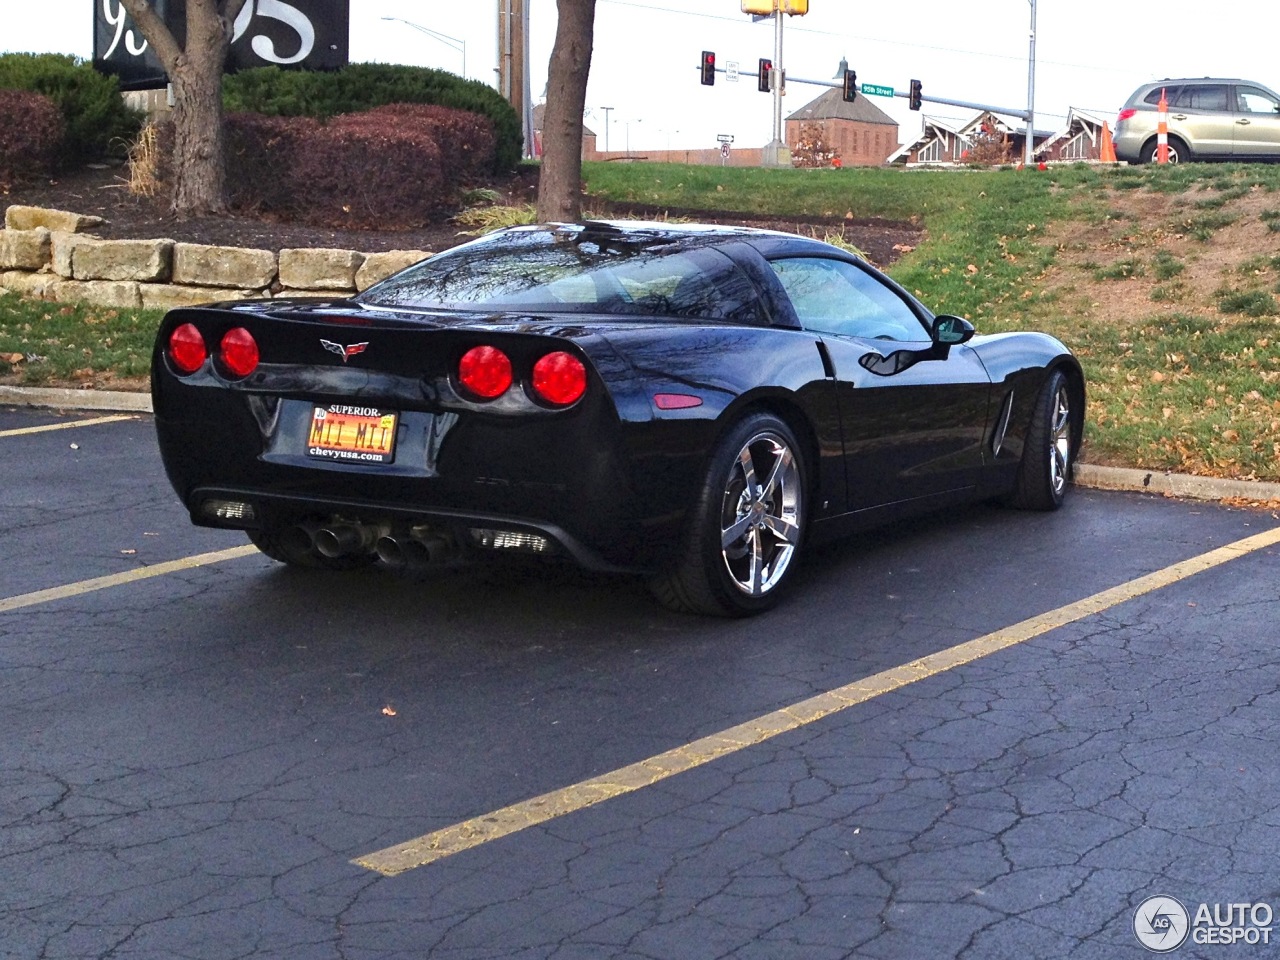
485	371
559	378
187	351
239	352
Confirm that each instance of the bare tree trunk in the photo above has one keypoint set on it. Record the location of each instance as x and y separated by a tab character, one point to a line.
560	182
199	168
199	183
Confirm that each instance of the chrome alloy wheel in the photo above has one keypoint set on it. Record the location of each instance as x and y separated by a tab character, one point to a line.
760	520
1060	441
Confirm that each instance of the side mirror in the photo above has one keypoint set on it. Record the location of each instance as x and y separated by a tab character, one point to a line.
948	330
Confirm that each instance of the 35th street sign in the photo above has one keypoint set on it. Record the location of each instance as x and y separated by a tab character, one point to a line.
283	33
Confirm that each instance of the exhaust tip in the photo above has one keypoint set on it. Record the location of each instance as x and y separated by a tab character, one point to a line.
391	552
412	553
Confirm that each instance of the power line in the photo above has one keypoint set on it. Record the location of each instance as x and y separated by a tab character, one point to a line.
738	21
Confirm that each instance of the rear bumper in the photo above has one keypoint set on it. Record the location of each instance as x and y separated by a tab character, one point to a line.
1128	141
466	529
597	488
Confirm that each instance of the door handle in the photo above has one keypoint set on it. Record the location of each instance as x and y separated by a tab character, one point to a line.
1179	116
1244	121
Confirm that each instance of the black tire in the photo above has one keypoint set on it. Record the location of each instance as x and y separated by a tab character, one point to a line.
746	529
290	545
1047	451
1178	152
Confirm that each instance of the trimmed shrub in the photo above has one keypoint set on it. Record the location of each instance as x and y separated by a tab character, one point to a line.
363	86
97	121
465	139
31	130
262	157
358	171
365	176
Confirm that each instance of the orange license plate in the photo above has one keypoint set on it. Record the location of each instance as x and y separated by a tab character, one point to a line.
352	434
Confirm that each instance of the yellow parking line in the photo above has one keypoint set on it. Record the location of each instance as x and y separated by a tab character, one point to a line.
67	425
527	813
117	579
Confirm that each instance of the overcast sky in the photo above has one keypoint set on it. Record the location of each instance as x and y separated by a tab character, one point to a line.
1090	54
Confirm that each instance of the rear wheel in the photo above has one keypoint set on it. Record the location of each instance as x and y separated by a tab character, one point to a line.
1178	152
745	530
293	546
1046	454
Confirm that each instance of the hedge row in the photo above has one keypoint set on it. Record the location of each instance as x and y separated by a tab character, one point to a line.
396	166
96	120
31	131
362	86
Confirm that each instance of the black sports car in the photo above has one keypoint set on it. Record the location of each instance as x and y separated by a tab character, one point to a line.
692	403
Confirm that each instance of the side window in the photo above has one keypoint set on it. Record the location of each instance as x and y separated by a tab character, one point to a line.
1253	100
1201	96
831	296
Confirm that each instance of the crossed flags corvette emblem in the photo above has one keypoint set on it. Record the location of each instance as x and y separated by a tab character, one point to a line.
350	350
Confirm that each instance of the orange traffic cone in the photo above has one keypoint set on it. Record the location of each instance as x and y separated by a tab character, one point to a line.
1107	149
1162	129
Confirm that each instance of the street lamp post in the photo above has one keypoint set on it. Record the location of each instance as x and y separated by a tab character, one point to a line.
460	45
1031	90
775	153
606	127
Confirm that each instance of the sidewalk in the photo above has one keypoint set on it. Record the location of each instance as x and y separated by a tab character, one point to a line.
1086	475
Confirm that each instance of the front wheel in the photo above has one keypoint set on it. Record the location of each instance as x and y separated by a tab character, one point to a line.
1046	454
746	528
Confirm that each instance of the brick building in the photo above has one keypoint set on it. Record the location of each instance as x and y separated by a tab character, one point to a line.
862	133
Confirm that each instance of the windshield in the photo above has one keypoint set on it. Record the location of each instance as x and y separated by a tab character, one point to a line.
578	270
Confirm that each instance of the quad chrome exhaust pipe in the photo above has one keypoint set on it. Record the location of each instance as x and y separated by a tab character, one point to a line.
405	549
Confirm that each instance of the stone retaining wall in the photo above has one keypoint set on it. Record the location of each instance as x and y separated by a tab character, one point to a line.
50	255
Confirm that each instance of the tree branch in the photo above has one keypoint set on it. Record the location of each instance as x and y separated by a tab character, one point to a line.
158	35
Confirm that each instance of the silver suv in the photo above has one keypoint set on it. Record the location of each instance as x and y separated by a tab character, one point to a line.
1209	118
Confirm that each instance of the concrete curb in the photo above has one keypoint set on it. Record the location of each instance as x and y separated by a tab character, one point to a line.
1086	474
66	399
1182	485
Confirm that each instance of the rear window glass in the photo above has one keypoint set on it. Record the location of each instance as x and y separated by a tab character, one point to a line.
578	271
1170	95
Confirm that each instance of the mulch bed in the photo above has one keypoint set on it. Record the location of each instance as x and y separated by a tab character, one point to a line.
103	191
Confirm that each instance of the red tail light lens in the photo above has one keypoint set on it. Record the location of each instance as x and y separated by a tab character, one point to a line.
485	372
559	378
239	352
187	351
1126	114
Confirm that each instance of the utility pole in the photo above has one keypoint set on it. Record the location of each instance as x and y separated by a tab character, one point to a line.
1031	90
513	63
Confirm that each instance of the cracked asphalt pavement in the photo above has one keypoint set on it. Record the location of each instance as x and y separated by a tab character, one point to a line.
191	764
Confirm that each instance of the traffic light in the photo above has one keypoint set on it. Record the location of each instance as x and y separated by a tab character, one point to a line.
708	68
762	78
850	86
914	102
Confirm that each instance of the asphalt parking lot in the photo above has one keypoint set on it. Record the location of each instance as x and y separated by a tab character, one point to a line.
987	734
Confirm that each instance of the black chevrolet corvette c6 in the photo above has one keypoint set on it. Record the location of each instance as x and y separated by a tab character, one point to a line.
691	403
